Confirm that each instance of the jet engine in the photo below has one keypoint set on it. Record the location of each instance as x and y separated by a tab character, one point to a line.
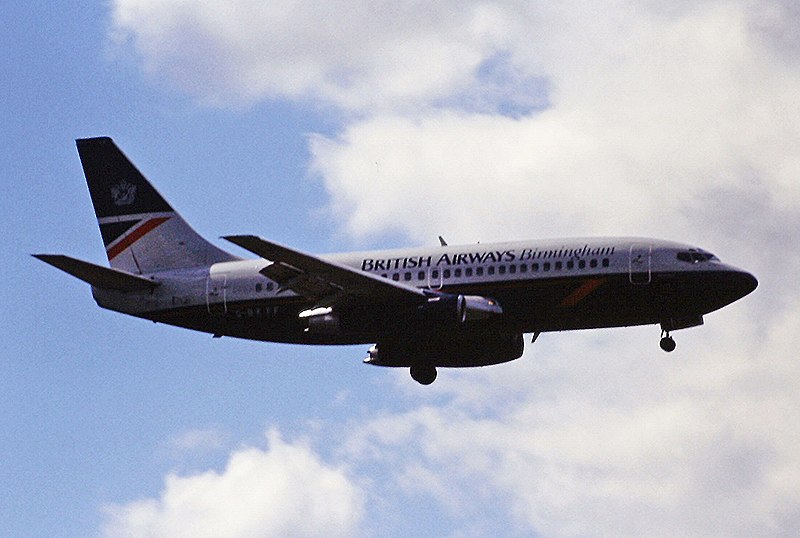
321	320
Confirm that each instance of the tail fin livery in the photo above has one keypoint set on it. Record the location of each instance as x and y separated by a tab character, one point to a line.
142	233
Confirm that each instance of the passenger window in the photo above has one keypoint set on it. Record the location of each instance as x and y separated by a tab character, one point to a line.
512	269
434	274
468	271
259	286
558	266
407	276
491	269
593	264
546	266
605	262
270	286
581	264
535	267
570	264
396	277
421	275
446	273
479	271
457	273
523	268
502	269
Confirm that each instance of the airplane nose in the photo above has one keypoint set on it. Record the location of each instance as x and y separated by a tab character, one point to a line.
737	284
745	283
720	288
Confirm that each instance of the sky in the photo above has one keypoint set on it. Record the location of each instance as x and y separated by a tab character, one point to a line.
354	125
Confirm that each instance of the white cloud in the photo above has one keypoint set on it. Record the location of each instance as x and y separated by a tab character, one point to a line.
649	113
353	54
650	107
285	490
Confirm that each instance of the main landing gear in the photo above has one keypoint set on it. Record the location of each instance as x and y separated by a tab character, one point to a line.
423	374
667	343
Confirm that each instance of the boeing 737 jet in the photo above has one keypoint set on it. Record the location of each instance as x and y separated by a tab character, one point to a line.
422	308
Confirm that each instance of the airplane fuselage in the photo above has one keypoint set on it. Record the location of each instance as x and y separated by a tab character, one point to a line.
454	306
541	286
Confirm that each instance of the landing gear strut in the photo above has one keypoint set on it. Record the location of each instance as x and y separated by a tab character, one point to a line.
667	343
423	374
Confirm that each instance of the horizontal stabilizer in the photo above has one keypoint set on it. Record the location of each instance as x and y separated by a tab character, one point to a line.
96	275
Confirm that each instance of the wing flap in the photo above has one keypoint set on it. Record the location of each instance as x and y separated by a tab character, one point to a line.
97	275
314	277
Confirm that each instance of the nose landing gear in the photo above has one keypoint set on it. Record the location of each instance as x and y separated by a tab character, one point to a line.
667	343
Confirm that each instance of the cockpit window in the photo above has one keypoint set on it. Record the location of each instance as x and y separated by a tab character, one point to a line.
696	256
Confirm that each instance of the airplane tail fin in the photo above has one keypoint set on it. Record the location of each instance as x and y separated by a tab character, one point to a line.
142	233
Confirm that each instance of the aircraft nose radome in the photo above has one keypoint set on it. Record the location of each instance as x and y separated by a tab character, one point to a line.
722	288
741	283
749	283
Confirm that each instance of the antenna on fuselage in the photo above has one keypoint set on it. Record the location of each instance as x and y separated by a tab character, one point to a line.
442	241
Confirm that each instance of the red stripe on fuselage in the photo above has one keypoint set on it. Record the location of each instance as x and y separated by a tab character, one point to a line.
135	235
582	292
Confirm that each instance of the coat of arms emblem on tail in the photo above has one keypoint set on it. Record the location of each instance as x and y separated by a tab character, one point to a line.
123	193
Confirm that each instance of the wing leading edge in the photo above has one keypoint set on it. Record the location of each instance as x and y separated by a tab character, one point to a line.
316	278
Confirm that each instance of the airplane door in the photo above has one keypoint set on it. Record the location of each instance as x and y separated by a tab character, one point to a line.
639	263
435	279
216	294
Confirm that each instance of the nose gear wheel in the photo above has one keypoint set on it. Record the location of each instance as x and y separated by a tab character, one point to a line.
667	343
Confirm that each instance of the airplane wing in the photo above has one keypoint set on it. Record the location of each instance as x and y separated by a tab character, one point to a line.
316	278
96	275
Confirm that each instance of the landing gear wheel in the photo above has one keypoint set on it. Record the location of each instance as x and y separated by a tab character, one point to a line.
667	343
423	374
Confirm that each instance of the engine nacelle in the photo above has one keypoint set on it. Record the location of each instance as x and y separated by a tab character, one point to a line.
323	324
459	308
477	307
480	348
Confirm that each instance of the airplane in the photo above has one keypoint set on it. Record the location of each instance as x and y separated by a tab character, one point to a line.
422	308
